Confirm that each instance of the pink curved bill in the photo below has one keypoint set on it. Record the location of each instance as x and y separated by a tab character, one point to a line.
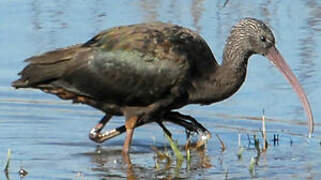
276	58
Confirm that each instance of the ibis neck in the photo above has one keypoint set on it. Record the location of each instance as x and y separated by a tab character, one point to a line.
225	79
236	54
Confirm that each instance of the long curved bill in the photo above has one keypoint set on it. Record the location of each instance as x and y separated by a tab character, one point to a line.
276	58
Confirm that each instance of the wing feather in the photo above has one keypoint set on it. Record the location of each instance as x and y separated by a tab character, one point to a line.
125	78
131	65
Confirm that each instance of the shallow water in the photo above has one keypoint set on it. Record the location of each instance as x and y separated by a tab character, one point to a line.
49	137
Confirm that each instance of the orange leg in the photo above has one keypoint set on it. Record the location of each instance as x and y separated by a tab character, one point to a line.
130	125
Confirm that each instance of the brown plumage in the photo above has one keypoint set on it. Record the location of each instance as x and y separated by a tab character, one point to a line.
145	71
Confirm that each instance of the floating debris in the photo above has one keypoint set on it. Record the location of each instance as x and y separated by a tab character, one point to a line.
22	172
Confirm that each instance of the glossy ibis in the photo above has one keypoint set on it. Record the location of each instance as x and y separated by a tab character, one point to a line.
146	71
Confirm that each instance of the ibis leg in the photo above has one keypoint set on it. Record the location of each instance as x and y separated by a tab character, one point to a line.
121	129
130	125
169	134
192	126
95	134
178	116
188	122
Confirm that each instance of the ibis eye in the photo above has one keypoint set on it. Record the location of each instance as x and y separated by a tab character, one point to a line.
262	38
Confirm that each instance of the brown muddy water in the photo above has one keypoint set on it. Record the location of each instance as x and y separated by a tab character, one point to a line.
49	137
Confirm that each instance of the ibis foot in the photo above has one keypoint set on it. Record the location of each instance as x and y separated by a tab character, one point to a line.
203	138
95	134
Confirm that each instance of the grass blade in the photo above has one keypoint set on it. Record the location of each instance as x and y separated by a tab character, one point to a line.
6	169
178	154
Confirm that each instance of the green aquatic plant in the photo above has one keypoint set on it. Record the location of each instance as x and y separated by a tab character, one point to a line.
177	152
6	169
252	166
